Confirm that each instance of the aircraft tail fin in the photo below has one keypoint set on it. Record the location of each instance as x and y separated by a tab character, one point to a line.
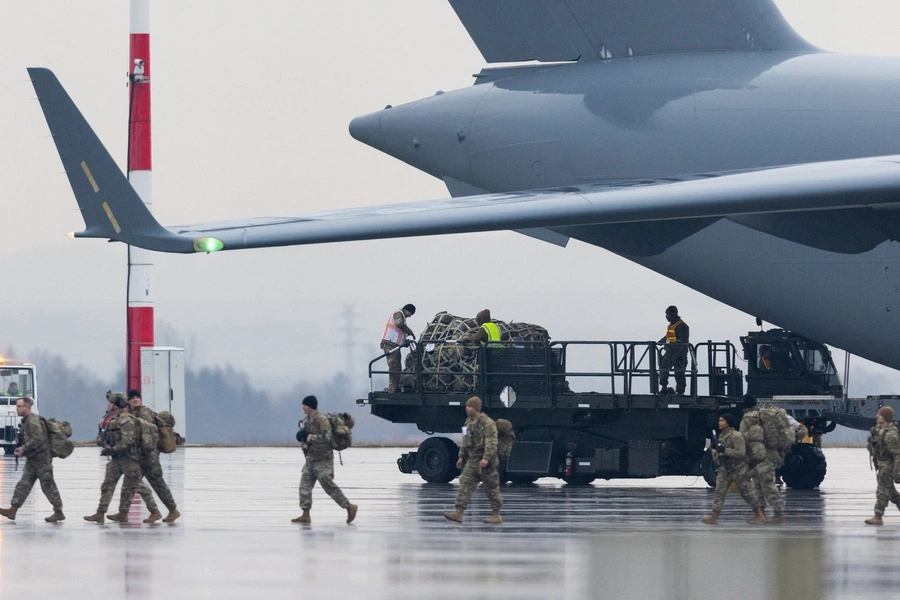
566	30
109	205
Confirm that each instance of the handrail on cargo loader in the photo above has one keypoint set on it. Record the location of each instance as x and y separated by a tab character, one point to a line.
615	368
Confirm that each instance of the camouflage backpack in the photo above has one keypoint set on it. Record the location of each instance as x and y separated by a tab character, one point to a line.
341	424
777	428
147	435
58	434
165	423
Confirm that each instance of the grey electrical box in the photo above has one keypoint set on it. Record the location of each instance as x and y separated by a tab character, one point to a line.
162	383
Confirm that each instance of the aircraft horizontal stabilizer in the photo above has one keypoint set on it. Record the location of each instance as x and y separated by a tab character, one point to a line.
113	210
565	30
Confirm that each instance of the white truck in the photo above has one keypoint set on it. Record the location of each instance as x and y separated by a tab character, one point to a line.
17	379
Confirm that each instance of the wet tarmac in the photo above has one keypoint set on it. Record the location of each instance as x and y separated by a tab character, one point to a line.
617	539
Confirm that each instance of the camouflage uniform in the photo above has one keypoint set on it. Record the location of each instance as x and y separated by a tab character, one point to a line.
763	462
800	433
102	439
505	439
480	442
393	354
319	462
125	453
733	468
150	467
38	466
884	445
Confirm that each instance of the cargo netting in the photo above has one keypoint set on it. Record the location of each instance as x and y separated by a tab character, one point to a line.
449	361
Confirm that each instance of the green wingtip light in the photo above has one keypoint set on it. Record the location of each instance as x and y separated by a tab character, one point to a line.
208	244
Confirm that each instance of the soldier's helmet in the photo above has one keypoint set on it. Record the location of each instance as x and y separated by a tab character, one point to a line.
117	398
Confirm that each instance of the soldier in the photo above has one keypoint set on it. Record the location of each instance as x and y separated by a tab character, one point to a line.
674	354
150	467
124	448
395	333
487	330
731	455
505	438
38	466
316	439
800	430
478	462
140	489
884	446
763	462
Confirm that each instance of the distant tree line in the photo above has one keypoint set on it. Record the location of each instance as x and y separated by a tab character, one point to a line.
223	406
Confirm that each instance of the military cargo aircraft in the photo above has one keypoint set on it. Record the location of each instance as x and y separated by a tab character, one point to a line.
706	141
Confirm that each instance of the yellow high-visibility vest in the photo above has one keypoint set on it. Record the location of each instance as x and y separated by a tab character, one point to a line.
670	332
492	330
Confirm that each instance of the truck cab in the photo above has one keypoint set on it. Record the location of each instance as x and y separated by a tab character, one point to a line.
782	363
17	379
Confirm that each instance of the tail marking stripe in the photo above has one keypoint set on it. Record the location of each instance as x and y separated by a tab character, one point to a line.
112	219
90	177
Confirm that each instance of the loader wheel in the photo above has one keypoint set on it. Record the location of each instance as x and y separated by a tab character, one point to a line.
708	468
435	462
804	467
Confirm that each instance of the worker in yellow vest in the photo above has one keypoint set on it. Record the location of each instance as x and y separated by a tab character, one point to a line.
396	332
674	354
487	330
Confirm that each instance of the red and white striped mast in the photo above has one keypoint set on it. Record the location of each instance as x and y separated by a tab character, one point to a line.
139	324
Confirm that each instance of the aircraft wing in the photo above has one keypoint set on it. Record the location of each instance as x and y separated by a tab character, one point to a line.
112	209
566	30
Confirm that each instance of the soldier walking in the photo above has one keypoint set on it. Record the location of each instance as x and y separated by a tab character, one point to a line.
478	462
150	467
38	464
123	446
731	456
315	437
764	461
140	489
884	447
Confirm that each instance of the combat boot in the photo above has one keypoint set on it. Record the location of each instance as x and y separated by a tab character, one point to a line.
56	517
304	518
154	517
712	519
9	513
876	520
173	514
777	518
456	515
97	517
494	518
351	513
759	517
119	517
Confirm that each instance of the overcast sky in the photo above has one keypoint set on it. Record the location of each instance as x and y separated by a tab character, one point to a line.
251	102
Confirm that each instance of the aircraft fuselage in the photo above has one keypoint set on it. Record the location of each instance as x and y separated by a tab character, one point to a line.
832	277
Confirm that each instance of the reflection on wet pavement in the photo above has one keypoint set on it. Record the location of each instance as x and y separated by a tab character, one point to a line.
617	539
